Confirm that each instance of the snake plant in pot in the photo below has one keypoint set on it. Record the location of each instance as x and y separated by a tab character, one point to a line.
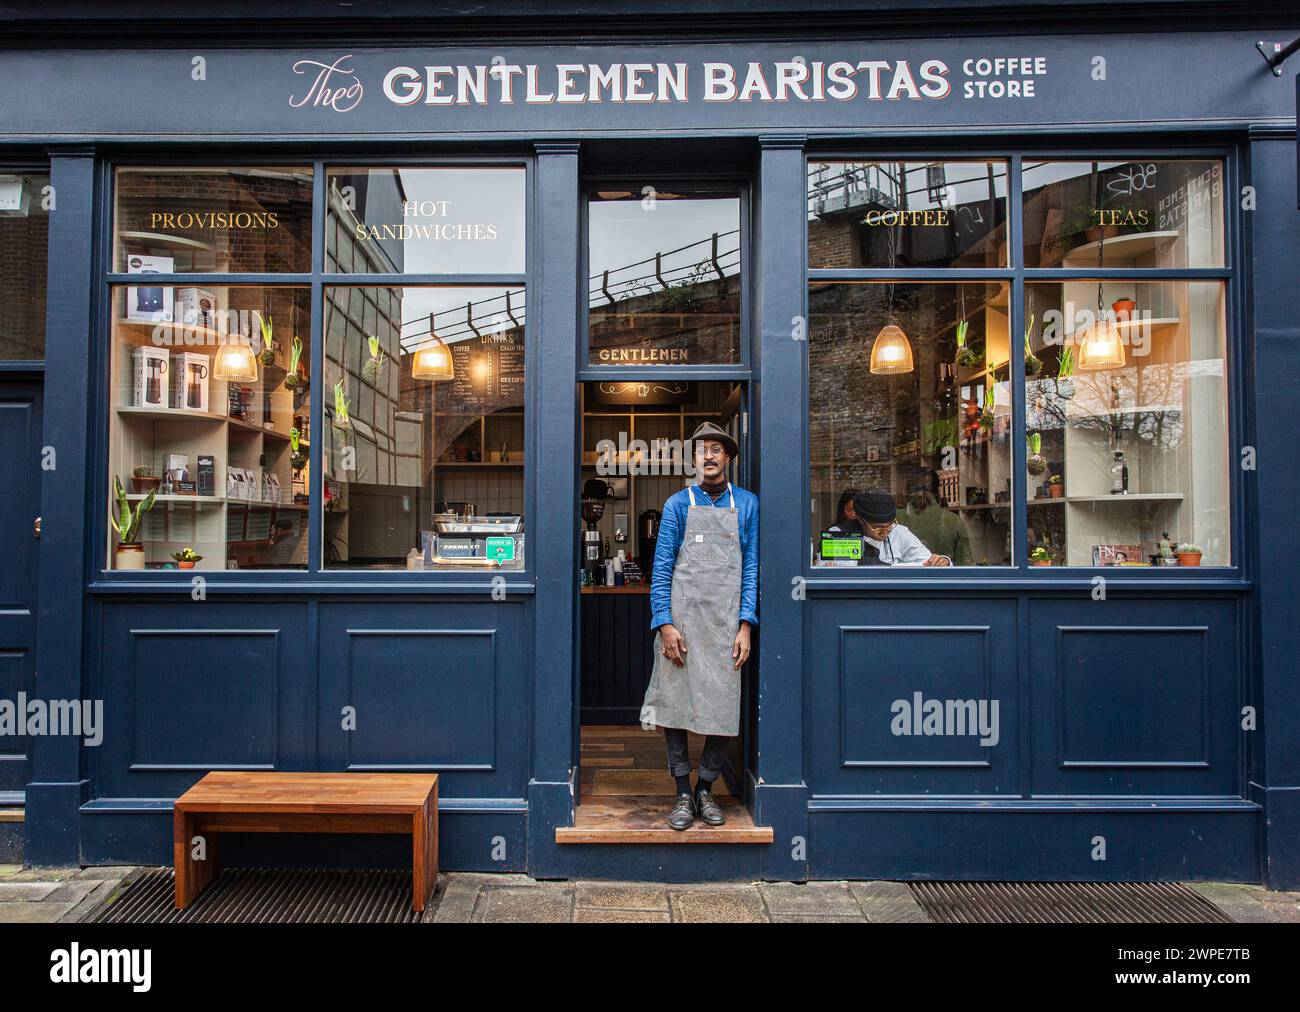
130	553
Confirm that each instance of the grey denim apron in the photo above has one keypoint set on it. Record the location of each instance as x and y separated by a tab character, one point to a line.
704	694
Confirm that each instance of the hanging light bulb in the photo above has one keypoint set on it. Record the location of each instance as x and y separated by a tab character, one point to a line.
891	352
235	363
1100	347
432	361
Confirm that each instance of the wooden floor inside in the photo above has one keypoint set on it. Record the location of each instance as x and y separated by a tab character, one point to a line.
626	794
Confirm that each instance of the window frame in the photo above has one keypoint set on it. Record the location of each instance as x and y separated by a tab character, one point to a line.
316	576
1016	275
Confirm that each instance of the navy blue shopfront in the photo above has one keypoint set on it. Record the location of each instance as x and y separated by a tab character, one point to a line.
1146	715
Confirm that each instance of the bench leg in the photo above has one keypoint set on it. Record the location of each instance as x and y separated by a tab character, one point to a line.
192	876
424	847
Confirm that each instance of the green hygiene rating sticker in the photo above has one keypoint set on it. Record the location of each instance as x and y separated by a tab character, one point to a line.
839	547
501	549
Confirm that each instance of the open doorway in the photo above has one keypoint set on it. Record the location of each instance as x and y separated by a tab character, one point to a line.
635	446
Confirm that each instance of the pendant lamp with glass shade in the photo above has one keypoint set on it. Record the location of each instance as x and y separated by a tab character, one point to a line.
235	362
432	360
891	351
1100	344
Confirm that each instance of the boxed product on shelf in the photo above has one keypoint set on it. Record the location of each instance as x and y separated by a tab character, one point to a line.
195	307
150	303
207	475
189	380
149	375
240	401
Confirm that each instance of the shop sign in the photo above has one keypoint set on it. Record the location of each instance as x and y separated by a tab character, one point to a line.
644	393
644	356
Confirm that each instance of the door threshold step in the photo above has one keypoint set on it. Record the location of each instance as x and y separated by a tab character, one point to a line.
11	815
607	782
641	819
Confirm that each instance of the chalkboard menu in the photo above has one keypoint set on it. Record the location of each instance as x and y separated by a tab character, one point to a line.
489	372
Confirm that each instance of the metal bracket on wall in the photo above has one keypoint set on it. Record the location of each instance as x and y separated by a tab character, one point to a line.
1275	53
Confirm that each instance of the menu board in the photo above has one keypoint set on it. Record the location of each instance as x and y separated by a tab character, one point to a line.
489	373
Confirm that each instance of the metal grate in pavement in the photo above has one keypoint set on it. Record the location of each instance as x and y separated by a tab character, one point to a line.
272	896
1064	903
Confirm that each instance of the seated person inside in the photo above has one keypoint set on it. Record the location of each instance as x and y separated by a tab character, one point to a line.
887	542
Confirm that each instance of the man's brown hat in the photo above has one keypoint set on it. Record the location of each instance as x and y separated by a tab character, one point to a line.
708	431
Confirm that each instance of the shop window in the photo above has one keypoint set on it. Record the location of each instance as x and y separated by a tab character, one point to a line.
209	427
212	220
403	220
665	268
424	452
24	247
1126	415
910	402
1140	213
907	214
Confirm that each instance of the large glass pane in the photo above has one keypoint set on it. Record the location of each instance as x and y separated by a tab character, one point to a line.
909	399
665	276
212	220
1140	213
1126	415
209	428
399	220
24	248
907	214
425	452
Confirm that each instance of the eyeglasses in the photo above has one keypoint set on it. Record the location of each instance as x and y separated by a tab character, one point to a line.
710	451
877	530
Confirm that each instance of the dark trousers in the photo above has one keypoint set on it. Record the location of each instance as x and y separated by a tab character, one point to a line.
679	759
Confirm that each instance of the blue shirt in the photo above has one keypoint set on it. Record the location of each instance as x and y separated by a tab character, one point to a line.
672	528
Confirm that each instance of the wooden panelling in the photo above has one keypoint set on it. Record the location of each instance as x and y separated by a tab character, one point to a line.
617	656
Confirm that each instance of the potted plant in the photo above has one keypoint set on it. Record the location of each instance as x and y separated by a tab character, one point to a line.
268	342
1033	364
370	370
130	553
1035	463
1056	486
1123	309
186	558
293	380
1065	374
967	356
1188	554
297	456
1042	556
144	480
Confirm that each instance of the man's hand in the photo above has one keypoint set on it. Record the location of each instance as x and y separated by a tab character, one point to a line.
938	560
673	644
740	649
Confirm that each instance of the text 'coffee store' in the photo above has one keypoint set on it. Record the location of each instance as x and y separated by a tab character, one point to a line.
365	398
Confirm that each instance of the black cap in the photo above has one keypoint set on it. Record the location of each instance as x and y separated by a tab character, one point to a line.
875	506
595	488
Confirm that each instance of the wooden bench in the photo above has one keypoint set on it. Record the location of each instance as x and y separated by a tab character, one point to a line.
305	803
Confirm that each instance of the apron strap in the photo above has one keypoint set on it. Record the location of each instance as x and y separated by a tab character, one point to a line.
731	495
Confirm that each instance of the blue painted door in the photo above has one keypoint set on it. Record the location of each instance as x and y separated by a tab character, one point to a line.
20	495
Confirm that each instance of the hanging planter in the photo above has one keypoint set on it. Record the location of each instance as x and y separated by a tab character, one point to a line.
1065	374
375	363
268	341
294	380
297	455
342	420
1035	463
987	417
967	357
1033	364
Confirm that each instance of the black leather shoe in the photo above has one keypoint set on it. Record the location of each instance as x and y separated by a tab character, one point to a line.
683	814
707	808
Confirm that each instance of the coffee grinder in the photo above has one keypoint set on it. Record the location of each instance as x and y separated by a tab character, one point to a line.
594	494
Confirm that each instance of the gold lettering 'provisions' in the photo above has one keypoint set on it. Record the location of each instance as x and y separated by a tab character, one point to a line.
183	220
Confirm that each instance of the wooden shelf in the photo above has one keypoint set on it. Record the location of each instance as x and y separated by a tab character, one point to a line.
1130	497
1122	247
163	414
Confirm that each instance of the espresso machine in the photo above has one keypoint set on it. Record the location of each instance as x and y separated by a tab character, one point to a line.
647	536
594	494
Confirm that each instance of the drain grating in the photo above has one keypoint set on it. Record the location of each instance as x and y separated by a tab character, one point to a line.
1064	903
272	896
